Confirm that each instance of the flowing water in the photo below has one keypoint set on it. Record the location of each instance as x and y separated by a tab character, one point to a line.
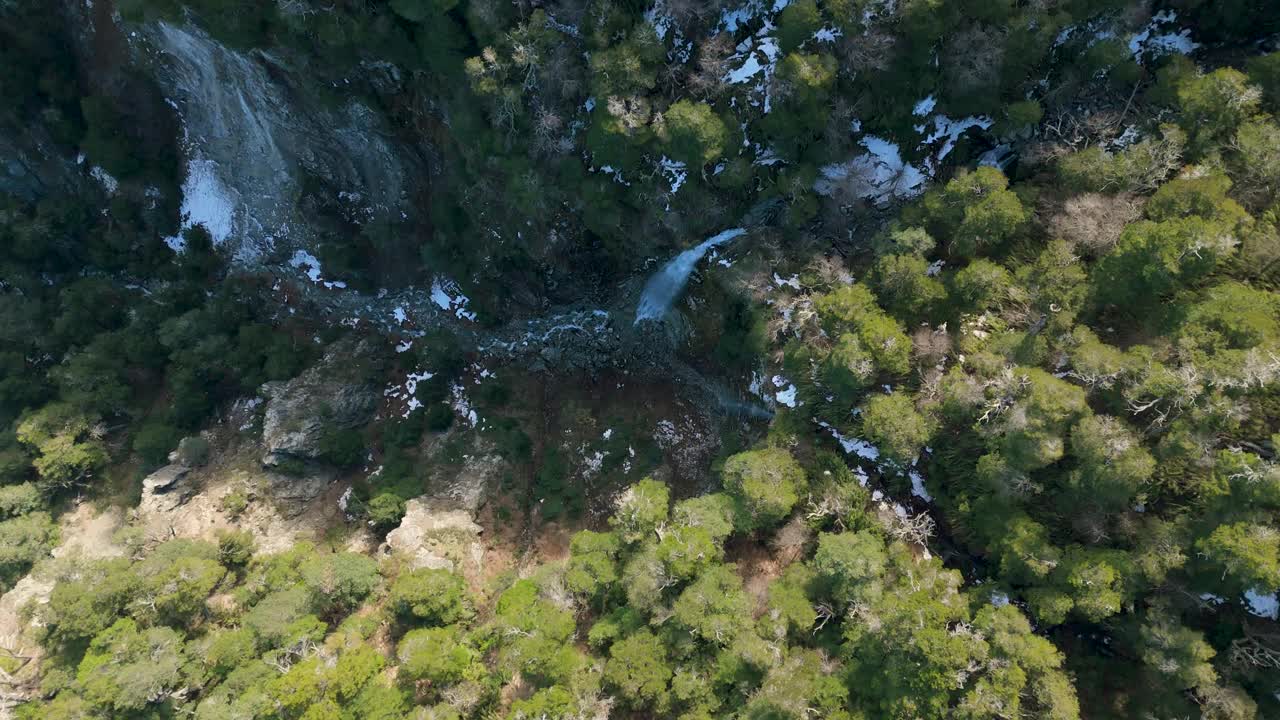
661	291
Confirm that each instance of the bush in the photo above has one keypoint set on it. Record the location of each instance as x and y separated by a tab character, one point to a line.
766	484
344	448
20	499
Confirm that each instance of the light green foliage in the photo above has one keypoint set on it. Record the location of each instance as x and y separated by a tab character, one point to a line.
1215	104
1036	410
982	285
1257	155
713	608
790	607
640	510
713	513
974	211
850	565
1243	555
1141	167
686	551
174	581
904	241
538	633
1175	651
852	309
341	580
891	423
795	689
905	288
694	133
1113	465
19	499
441	656
126	668
638	668
766	484
68	452
593	562
24	540
1203	195
432	596
1153	260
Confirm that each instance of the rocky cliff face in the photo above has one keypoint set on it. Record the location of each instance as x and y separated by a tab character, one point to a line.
258	138
331	395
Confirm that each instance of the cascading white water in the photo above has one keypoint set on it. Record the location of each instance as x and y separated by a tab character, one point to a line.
256	133
662	289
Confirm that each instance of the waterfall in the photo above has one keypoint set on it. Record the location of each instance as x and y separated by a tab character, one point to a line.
662	289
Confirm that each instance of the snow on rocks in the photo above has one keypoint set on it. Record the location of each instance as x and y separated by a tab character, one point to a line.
917	486
791	282
205	201
879	175
853	446
462	406
448	297
827	34
787	394
1158	38
105	179
948	131
675	171
310	266
1266	606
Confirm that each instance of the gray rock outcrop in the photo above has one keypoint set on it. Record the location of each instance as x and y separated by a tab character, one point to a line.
331	395
166	489
434	538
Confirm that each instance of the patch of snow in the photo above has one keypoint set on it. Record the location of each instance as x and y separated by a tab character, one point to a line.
879	175
404	346
589	105
675	171
104	178
828	34
999	599
787	397
1211	598
457	302
1267	606
310	266
997	157
925	106
917	486
205	201
462	406
607	434
792	282
658	17
401	317
856	446
935	267
949	131
1147	43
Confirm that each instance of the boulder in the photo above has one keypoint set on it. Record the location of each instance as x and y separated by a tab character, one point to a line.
333	394
166	489
435	538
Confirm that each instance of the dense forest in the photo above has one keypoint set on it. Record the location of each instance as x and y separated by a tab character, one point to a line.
972	306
